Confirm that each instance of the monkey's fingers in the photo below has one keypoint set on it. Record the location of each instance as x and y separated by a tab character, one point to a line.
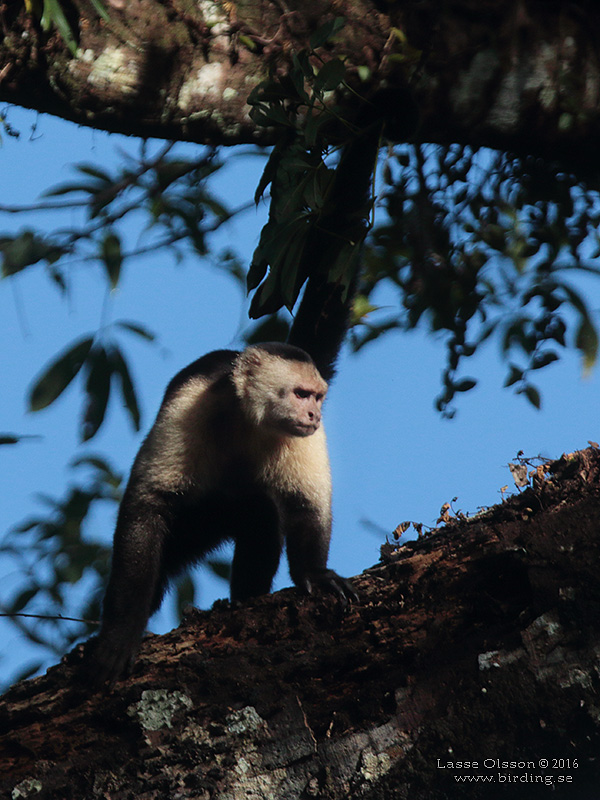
330	581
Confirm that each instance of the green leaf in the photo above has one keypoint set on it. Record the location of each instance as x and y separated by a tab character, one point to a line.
298	78
465	385
112	258
58	279
514	376
13	438
289	274
270	169
95	172
26	249
169	171
100	10
258	115
494	236
302	65
97	390
313	126
102	467
262	255
256	272
277	115
267	298
543	359
532	394
281	246
21	600
52	383
248	43
267	252
139	330
266	92
326	31
67	188
330	76
54	15
121	370
587	342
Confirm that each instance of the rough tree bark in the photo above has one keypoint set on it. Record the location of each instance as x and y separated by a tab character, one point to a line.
479	643
522	75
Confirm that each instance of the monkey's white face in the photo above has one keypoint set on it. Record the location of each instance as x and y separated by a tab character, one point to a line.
295	411
281	395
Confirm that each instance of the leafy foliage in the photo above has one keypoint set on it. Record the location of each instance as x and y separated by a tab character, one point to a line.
20	252
180	211
13	438
102	363
51	14
477	244
301	176
52	555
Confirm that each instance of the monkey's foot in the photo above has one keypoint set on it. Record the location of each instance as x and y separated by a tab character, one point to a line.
329	581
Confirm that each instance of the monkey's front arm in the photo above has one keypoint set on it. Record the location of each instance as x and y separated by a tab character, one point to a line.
307	538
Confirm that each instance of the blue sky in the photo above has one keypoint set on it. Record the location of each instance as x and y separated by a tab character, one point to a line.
394	457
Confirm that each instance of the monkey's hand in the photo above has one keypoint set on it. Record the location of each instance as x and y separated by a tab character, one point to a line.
329	581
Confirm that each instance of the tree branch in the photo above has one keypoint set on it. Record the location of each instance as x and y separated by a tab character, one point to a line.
477	644
525	79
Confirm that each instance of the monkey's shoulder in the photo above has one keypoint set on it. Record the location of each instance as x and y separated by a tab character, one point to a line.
211	367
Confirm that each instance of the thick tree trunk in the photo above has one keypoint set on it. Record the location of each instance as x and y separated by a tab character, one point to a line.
521	76
468	669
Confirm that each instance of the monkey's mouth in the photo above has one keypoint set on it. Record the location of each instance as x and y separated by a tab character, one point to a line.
302	428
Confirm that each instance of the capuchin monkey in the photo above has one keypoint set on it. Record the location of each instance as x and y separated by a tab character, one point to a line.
238	452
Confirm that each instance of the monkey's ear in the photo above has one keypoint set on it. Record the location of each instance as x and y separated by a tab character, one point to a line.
249	360
245	368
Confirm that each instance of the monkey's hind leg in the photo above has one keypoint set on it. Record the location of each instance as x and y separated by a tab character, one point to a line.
136	585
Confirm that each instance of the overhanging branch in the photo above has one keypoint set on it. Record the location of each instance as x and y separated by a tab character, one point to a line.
497	74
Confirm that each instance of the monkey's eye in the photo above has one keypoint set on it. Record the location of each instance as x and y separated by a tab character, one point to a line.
302	393
319	397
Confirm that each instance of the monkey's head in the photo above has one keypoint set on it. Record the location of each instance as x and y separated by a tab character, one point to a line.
279	388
